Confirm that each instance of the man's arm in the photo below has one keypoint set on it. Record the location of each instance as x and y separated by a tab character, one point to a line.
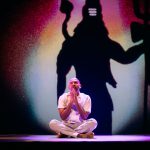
84	114
64	112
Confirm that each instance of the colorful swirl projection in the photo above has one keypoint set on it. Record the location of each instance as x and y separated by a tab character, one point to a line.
33	41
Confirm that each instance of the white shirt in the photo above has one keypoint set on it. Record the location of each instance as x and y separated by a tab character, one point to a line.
83	99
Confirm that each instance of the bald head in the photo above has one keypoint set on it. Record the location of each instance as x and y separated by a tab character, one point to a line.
74	83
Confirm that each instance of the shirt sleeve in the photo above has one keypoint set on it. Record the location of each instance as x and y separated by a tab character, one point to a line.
87	105
61	101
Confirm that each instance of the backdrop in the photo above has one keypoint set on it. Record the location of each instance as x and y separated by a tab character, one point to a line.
30	41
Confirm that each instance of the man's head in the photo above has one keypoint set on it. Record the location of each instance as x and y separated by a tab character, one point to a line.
74	83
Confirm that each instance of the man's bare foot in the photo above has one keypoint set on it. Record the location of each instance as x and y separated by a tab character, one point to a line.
60	135
86	135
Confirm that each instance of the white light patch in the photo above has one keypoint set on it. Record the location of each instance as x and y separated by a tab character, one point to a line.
40	77
92	11
40	80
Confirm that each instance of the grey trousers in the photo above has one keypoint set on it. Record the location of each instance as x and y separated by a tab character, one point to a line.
73	129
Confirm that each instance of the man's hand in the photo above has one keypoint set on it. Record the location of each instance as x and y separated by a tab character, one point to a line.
74	93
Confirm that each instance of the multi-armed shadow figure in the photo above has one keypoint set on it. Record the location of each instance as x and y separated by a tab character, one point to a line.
89	51
142	32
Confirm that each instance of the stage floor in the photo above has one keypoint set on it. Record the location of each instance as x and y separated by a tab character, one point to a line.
53	138
113	141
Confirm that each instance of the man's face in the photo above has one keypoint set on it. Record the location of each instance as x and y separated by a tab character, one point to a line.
74	83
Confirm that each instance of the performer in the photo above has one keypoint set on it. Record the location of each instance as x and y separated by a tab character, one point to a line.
74	108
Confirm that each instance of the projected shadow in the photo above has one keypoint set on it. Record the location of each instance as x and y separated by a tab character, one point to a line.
89	50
